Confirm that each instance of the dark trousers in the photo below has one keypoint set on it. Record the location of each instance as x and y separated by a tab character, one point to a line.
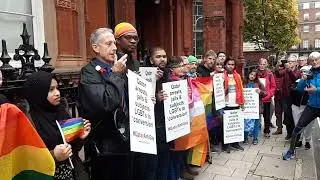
216	135
308	115
177	164
111	167
151	167
288	118
278	112
266	117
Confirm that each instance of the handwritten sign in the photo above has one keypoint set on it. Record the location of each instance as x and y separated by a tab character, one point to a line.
218	87
251	105
141	113
149	74
176	109
233	126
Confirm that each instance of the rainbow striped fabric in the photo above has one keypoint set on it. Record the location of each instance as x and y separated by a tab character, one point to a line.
23	154
72	128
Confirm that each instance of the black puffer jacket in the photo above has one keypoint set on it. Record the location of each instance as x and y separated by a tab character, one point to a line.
100	95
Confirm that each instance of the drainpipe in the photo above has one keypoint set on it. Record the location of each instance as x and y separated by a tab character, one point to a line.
171	25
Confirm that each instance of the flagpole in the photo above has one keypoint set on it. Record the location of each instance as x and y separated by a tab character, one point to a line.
64	141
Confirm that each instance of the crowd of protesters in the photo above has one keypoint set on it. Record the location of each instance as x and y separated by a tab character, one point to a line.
293	89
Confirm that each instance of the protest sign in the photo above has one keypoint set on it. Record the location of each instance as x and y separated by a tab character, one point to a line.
149	74
233	126
176	109
141	113
251	103
218	86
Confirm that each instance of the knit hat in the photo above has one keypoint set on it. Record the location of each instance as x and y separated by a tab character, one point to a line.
192	59
123	28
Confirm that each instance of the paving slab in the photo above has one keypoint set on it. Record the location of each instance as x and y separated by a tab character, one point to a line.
253	177
221	177
275	167
205	176
221	170
241	173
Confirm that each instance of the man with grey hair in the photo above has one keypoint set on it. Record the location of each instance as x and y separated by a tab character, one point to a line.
101	96
303	61
310	84
290	74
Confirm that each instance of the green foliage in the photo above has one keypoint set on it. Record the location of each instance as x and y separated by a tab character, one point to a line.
274	21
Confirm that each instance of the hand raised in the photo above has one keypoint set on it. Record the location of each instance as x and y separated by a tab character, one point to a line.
120	64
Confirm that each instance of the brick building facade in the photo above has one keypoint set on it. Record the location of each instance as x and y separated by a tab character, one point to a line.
67	24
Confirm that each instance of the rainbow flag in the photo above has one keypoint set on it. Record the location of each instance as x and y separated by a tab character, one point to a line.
23	154
205	88
72	128
199	132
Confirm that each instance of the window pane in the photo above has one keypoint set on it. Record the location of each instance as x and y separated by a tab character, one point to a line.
11	23
317	27
305	28
305	44
305	6
317	4
305	17
317	43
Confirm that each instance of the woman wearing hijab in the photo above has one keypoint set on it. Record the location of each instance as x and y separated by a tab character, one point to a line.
43	96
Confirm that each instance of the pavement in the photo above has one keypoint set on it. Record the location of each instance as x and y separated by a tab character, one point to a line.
262	162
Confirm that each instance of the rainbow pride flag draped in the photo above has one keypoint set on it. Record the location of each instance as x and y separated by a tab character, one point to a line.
72	128
23	154
198	137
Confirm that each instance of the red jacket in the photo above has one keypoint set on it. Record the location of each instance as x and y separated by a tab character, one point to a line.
289	77
270	84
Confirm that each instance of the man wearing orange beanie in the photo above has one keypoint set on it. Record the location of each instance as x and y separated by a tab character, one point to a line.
127	39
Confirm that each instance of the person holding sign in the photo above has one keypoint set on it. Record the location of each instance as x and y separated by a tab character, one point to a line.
234	95
266	77
252	126
43	96
102	100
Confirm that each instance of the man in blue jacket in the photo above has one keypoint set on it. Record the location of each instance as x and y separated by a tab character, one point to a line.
309	83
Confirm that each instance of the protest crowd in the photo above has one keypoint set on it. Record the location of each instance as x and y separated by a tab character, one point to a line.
162	120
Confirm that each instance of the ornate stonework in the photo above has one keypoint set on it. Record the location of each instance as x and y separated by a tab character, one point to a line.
68	4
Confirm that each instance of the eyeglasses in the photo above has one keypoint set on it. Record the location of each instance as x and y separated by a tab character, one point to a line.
130	37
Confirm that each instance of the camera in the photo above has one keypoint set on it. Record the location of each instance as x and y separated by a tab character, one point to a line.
283	62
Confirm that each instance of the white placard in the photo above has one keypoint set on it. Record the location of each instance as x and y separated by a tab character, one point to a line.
141	113
149	74
218	87
251	103
263	81
233	126
176	109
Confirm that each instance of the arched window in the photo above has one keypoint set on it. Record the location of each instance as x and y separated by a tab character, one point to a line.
197	28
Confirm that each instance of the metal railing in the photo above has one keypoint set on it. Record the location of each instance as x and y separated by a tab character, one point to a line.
13	78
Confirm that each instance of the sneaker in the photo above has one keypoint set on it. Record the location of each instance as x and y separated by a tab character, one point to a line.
192	171
186	175
215	149
226	149
255	141
237	147
277	132
267	135
288	155
307	146
298	144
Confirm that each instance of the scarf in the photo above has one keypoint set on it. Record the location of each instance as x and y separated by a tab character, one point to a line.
42	113
239	88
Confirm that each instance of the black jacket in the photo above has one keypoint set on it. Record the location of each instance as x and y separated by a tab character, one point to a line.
299	98
162	144
202	71
100	95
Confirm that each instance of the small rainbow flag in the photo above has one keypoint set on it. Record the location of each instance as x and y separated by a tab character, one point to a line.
72	128
23	154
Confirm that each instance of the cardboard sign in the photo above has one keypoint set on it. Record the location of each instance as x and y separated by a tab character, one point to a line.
149	74
218	87
233	126
141	113
176	109
251	105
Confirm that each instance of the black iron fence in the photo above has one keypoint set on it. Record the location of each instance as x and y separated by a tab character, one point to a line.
13	78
